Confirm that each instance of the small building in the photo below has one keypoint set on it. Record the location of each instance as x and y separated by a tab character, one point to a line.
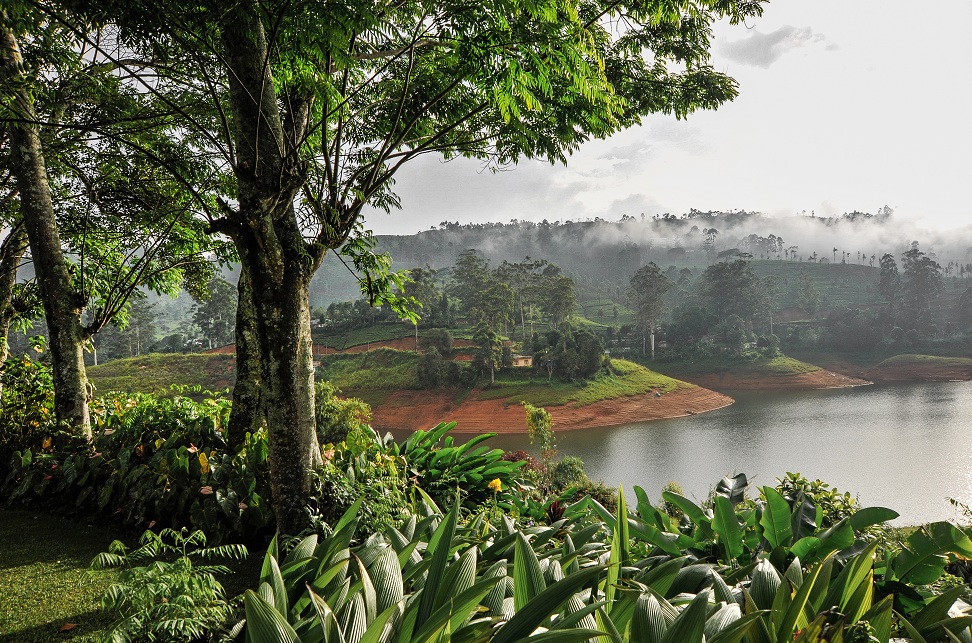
523	360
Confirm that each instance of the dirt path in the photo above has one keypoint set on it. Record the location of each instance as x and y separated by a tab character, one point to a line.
424	409
801	381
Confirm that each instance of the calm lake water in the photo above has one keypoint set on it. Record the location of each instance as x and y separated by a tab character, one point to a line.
903	446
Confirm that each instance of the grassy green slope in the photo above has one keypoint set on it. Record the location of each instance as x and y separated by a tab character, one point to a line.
157	372
626	379
911	360
744	366
374	375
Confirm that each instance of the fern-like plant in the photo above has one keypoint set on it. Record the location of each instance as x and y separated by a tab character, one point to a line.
164	594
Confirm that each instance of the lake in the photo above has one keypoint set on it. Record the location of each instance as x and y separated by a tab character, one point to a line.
905	446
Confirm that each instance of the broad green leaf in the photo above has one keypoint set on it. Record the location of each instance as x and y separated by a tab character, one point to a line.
692	510
764	585
803	518
648	624
440	550
619	552
922	560
775	518
870	516
839	536
726	526
736	631
527	576
264	624
660	577
791	620
689	625
454	611
527	619
880	618
377	627
733	489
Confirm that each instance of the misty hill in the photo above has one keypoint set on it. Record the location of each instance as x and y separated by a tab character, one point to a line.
601	255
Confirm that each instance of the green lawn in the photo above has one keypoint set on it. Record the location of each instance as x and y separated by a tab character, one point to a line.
45	584
342	340
377	370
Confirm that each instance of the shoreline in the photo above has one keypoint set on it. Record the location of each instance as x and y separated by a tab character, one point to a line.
813	380
410	410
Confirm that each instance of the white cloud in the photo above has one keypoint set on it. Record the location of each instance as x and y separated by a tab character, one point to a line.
764	49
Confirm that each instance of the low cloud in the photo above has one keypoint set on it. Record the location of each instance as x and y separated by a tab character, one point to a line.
764	49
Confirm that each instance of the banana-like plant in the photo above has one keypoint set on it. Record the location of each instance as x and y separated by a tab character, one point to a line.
436	579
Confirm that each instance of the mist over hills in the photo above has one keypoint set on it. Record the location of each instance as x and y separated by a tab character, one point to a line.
601	255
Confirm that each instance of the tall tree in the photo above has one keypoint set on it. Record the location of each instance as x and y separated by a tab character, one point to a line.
215	314
315	106
559	297
731	288
890	283
646	291
922	284
99	220
807	294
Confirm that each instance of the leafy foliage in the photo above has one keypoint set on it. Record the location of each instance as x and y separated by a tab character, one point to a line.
164	594
26	407
158	460
590	573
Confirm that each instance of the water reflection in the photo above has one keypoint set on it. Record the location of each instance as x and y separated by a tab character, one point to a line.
903	446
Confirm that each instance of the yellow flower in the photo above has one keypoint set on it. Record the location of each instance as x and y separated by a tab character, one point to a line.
495	485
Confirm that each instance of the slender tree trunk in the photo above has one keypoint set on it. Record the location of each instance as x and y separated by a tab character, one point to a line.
247	414
11	253
523	321
62	304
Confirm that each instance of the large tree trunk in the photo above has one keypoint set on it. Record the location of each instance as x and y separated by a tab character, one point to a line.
11	253
276	261
247	414
281	311
62	304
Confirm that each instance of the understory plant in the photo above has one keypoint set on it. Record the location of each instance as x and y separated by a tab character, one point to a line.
596	575
168	590
156	461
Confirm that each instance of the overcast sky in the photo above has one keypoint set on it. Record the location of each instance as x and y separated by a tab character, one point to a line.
844	105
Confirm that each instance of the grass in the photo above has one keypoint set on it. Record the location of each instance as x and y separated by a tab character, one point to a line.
383	369
627	379
743	366
45	583
926	360
342	340
155	373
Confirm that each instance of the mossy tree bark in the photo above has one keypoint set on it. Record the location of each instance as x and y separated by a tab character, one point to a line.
12	252
277	265
247	415
62	305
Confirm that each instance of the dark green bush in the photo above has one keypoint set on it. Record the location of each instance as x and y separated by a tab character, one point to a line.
158	461
26	407
569	472
337	417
